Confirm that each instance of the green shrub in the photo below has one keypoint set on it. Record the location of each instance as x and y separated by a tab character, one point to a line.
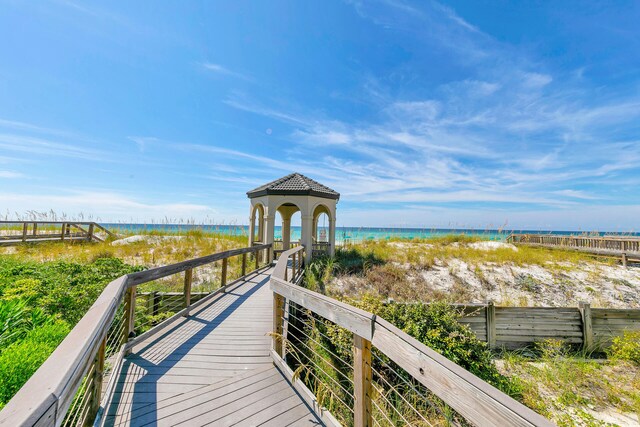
17	319
626	347
20	360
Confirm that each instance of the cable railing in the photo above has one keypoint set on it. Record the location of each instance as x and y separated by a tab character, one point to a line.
75	383
357	369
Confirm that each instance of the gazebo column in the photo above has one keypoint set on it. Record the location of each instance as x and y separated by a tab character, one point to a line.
270	221
286	233
307	237
332	236
252	230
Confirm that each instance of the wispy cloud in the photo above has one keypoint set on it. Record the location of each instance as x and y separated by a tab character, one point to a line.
219	69
10	174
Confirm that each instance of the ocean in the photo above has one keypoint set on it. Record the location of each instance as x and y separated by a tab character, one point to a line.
346	234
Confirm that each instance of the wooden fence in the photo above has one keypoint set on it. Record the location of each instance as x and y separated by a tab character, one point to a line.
622	246
517	327
15	232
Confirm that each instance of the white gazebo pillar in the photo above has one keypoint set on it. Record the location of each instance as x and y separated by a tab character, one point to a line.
286	233
252	221
307	237
332	236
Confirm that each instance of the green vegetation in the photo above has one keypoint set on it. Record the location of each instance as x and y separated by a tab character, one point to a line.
39	304
626	347
573	389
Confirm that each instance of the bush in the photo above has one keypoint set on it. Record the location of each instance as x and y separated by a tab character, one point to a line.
20	360
17	319
626	347
61	288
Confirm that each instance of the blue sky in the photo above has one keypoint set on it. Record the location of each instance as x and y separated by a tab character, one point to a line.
424	114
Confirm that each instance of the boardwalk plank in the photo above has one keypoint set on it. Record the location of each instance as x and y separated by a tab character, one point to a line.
213	367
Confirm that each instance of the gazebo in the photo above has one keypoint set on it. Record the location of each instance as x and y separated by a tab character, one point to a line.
288	195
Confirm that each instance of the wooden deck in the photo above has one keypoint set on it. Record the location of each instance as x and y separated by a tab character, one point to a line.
212	368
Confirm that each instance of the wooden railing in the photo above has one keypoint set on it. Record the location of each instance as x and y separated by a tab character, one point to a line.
67	388
320	248
605	245
360	388
33	231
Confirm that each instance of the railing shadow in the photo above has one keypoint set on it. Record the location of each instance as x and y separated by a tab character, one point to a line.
142	387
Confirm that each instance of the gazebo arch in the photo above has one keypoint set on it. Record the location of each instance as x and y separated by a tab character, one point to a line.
287	195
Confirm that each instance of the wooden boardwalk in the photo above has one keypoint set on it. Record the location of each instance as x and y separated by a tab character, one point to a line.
212	368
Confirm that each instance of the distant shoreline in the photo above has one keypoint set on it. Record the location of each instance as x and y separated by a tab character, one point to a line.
353	233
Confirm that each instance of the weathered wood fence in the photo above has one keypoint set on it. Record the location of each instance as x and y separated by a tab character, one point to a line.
15	232
626	247
517	327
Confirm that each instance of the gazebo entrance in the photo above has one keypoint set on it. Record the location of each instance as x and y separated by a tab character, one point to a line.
287	196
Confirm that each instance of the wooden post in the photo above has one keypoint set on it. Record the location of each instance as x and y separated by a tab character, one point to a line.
64	226
24	232
90	233
35	228
587	325
98	377
257	256
278	314
285	329
188	279
293	267
624	260
361	382
130	314
491	324
244	264
223	280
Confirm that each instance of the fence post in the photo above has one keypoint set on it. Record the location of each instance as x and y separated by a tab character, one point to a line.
130	315
278	314
24	232
188	279
35	228
244	264
64	227
491	324
223	280
361	382
624	260
98	376
587	326
90	233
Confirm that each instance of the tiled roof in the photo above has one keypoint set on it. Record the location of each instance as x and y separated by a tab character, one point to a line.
294	184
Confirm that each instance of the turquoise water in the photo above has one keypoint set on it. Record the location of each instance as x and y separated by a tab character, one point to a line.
342	233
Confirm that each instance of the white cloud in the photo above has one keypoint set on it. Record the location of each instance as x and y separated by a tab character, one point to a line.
219	69
10	174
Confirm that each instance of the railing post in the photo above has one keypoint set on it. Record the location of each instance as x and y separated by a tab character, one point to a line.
624	260
130	315
24	232
257	257
361	382
98	377
587	326
64	227
244	264
188	279
491	324
223	280
278	314
90	233
35	228
293	267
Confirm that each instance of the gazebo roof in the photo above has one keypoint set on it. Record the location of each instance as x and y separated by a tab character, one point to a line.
294	184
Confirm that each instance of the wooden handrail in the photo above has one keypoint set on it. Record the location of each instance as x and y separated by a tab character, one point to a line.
46	397
477	401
